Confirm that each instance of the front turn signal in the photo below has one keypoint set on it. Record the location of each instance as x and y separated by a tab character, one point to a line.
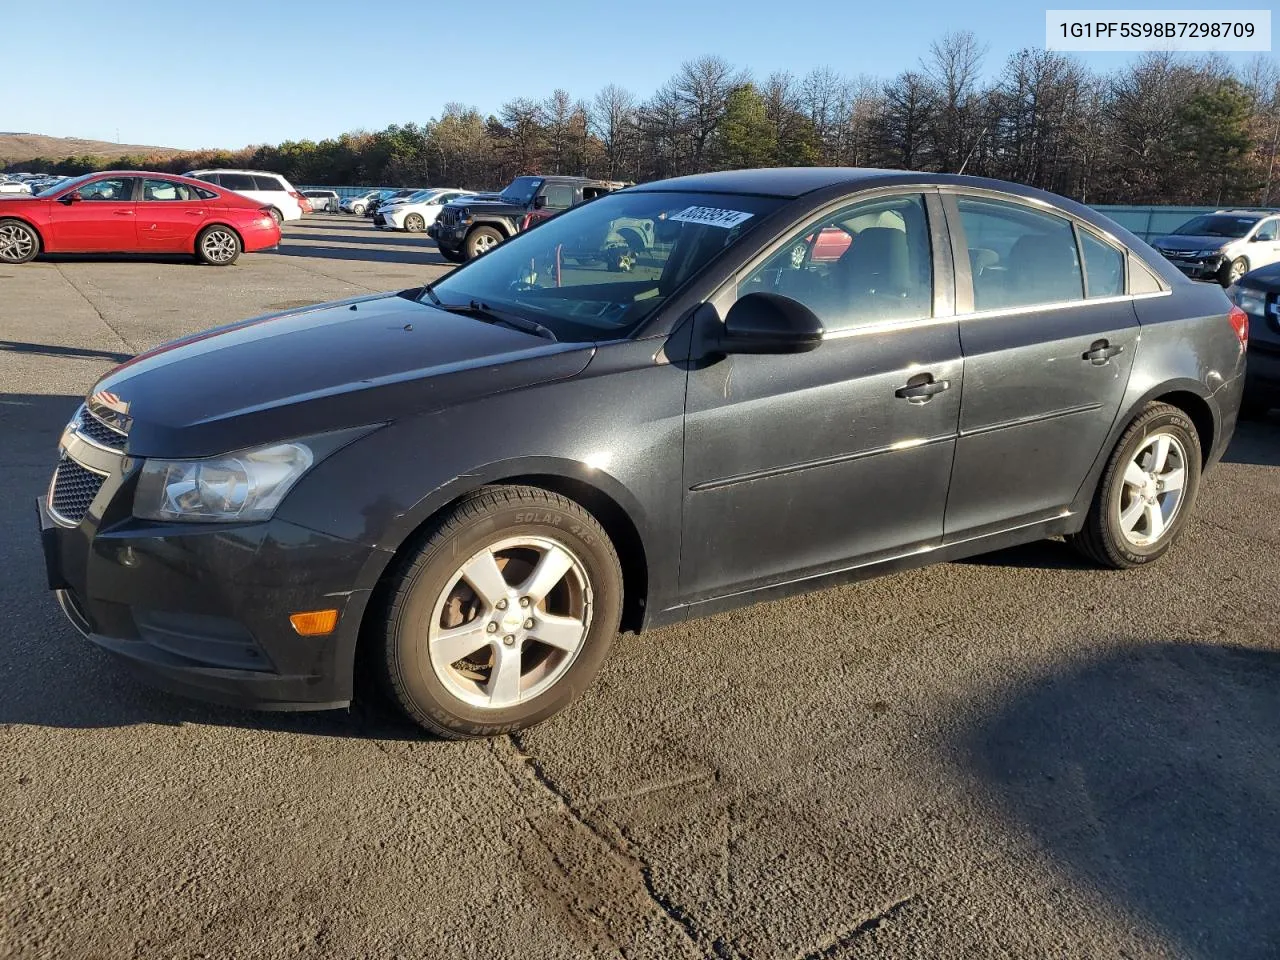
314	623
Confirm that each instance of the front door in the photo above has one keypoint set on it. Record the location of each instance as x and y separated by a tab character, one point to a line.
1046	361
168	216
801	464
100	221
1264	245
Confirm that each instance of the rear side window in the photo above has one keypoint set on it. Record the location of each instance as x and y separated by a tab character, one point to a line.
207	177
1103	266
1141	279
268	183
866	263
204	194
1019	257
237	181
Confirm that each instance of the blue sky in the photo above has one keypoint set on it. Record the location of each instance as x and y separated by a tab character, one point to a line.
228	72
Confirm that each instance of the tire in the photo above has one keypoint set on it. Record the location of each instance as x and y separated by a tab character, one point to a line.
19	242
358	209
1104	539
494	531
453	256
415	223
277	216
481	240
218	246
1232	271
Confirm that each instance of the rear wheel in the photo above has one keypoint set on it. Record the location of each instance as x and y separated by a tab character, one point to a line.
503	615
481	240
218	245
277	216
415	223
1146	493
18	242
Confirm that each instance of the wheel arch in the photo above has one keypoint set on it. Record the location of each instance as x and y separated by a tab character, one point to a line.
602	495
27	222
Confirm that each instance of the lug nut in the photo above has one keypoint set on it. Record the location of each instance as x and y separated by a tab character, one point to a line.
528	624
524	601
509	639
501	604
492	627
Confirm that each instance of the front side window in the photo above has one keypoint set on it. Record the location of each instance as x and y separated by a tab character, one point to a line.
118	189
167	190
1267	231
559	196
1019	257
1103	266
600	269
866	263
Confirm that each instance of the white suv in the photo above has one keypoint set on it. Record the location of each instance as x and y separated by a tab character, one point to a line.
417	211
1223	245
269	189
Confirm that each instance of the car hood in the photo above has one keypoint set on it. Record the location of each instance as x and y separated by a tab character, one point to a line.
1190	243
354	362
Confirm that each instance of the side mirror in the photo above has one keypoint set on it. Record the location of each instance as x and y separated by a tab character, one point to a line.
72	197
769	323
539	201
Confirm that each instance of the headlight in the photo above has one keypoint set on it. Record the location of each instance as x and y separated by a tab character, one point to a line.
1211	252
247	485
1250	301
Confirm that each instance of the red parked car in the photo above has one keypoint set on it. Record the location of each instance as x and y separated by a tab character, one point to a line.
133	211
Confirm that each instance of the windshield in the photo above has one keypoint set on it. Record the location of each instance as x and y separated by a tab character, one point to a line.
599	270
1216	225
421	196
521	190
63	184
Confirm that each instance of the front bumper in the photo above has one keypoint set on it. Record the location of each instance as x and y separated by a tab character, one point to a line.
385	221
203	609
1197	268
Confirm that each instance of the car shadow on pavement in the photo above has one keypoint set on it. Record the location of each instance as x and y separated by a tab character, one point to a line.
424	257
369	238
1151	773
51	676
1256	442
52	350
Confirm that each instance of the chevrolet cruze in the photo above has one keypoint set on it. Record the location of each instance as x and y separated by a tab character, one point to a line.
475	484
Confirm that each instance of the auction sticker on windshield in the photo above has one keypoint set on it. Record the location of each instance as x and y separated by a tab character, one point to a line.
711	216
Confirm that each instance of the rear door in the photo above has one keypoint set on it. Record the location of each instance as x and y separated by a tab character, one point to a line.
169	214
797	465
1049	337
101	221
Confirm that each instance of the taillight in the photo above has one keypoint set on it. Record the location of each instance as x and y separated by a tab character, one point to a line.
296	195
1239	321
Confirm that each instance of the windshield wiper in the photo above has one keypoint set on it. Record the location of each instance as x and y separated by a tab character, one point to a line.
482	311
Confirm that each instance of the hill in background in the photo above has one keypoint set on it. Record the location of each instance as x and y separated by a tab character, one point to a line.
16	148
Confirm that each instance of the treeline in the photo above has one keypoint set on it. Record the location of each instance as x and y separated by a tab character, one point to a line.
1163	129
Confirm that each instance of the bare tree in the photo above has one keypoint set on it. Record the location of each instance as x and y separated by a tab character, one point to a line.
701	89
613	121
952	68
557	113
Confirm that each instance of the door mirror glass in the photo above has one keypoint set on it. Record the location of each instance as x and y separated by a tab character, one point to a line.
539	202
770	323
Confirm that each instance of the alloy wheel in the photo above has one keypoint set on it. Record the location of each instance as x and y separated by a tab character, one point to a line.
16	242
485	243
510	622
1152	492
219	246
1237	270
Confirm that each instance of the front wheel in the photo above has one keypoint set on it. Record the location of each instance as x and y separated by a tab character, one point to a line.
415	223
1146	493
358	209
18	242
503	615
218	245
481	240
453	256
1230	273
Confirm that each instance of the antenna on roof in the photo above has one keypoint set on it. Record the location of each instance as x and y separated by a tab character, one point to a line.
971	149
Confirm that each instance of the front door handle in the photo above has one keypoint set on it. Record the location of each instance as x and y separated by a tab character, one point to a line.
195	213
123	213
1101	351
921	388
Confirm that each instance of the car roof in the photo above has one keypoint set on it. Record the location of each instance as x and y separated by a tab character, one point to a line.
1246	213
261	173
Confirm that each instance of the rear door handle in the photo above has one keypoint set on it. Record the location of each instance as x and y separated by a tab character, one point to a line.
124	213
195	213
1101	351
921	388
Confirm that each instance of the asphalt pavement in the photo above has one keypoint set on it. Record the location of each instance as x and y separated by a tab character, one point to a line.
1018	755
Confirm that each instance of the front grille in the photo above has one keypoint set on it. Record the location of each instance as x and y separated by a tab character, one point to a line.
379	220
72	491
97	431
448	217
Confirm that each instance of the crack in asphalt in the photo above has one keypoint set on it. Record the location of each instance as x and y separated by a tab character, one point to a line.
865	926
101	316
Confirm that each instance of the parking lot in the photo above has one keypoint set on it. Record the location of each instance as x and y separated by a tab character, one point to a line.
1018	755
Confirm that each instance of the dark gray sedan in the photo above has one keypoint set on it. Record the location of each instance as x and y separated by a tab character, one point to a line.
678	398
